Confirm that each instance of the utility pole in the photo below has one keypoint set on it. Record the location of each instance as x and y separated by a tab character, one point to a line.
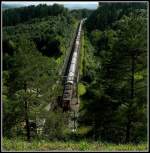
26	114
128	127
74	121
94	128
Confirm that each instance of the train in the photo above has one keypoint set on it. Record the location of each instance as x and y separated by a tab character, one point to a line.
69	88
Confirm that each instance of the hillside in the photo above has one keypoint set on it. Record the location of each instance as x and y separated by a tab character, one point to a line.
69	6
11	6
33	55
100	104
115	72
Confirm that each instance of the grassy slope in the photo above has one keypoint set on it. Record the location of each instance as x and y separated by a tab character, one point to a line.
81	87
20	145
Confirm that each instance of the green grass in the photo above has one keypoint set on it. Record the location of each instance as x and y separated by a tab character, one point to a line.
20	145
81	89
82	53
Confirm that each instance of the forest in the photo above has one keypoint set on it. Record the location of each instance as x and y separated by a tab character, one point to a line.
112	86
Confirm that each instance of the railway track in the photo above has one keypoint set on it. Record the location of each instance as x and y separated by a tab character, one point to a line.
69	100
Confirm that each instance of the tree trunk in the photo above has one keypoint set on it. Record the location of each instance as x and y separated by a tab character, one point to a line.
132	78
26	115
128	127
94	127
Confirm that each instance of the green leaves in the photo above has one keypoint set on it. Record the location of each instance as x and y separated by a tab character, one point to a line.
34	52
25	14
81	89
117	92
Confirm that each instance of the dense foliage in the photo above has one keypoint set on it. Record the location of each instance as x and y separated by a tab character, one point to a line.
33	56
108	13
82	13
12	17
115	104
113	72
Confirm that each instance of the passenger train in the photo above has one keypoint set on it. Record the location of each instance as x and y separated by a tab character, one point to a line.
69	89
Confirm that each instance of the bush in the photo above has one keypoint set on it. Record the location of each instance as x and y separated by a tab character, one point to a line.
56	124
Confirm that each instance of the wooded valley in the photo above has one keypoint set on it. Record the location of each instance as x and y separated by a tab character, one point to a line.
113	74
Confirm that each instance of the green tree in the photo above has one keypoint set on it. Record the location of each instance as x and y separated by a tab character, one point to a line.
119	113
